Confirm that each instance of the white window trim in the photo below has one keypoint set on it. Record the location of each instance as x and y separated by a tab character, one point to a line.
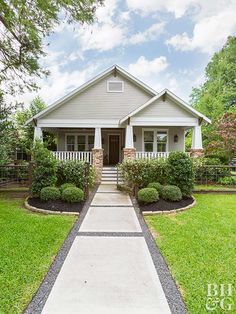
155	138
76	140
112	91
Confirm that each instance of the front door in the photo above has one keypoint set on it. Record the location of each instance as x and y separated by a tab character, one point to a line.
114	149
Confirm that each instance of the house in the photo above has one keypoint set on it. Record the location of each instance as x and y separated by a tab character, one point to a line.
116	116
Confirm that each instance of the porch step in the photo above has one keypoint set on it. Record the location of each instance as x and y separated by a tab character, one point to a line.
109	176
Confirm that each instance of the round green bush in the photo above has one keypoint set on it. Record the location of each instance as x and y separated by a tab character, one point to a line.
148	195
66	185
72	195
50	193
171	193
156	185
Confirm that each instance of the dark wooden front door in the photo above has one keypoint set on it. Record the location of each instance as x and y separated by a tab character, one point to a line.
114	149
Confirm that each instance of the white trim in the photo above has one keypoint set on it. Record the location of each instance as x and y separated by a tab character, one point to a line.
76	140
115	91
83	87
81	123
139	121
155	130
108	145
175	98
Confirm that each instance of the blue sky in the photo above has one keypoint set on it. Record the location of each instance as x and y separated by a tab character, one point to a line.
164	43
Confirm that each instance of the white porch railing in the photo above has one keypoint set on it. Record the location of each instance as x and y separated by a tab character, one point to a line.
152	155
66	155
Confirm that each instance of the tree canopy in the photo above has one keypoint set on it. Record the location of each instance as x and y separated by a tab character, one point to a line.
216	98
23	26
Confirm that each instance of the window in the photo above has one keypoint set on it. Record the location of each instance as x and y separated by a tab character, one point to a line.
79	142
155	140
70	142
161	141
148	141
90	142
115	86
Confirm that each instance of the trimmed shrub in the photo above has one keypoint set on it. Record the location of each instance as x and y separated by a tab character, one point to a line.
66	185
141	172
45	169
181	172
73	195
73	171
50	193
171	193
156	185
148	195
227	181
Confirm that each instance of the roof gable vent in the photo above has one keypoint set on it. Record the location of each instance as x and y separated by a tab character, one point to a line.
115	86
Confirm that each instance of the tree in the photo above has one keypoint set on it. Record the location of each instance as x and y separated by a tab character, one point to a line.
23	26
218	94
26	132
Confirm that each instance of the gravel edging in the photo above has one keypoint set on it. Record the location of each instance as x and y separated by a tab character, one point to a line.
167	212
45	211
172	293
39	299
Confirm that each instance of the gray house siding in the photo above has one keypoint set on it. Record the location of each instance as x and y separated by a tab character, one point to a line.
97	103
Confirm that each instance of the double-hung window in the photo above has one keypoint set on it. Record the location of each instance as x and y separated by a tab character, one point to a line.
79	142
155	140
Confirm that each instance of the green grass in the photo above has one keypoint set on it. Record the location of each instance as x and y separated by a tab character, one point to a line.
199	247
211	187
28	245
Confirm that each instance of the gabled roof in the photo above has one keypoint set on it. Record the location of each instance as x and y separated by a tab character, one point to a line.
177	100
91	82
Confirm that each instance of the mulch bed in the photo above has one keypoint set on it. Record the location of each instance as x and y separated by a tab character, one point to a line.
58	206
163	205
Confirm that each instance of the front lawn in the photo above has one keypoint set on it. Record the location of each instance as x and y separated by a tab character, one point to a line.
28	245
199	247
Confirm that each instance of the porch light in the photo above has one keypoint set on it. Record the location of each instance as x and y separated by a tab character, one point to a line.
176	138
134	138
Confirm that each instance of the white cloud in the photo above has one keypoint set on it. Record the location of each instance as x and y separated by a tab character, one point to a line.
105	13
149	34
209	33
144	68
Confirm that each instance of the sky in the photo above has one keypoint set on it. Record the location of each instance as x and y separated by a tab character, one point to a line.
164	43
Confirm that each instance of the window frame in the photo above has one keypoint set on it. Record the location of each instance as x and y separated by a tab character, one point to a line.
76	140
112	91
155	131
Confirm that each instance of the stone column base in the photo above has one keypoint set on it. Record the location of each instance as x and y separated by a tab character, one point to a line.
129	153
196	153
98	163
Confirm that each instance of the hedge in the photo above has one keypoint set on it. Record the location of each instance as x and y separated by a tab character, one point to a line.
148	195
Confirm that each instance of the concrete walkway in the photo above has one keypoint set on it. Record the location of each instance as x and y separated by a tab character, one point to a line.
109	269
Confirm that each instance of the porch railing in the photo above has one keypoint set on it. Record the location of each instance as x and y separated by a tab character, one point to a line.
66	155
152	155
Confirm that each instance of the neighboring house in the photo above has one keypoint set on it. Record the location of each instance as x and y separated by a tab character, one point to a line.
116	116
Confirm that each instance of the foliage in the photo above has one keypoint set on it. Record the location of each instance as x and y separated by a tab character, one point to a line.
66	185
141	172
50	193
227	181
181	172
218	94
199	246
24	25
26	132
73	171
45	169
148	195
171	193
156	185
29	243
209	169
73	195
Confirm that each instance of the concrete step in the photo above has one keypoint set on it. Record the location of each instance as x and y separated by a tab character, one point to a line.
111	182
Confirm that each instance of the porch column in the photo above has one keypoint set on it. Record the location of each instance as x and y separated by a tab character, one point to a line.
97	152
129	150
197	150
38	134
